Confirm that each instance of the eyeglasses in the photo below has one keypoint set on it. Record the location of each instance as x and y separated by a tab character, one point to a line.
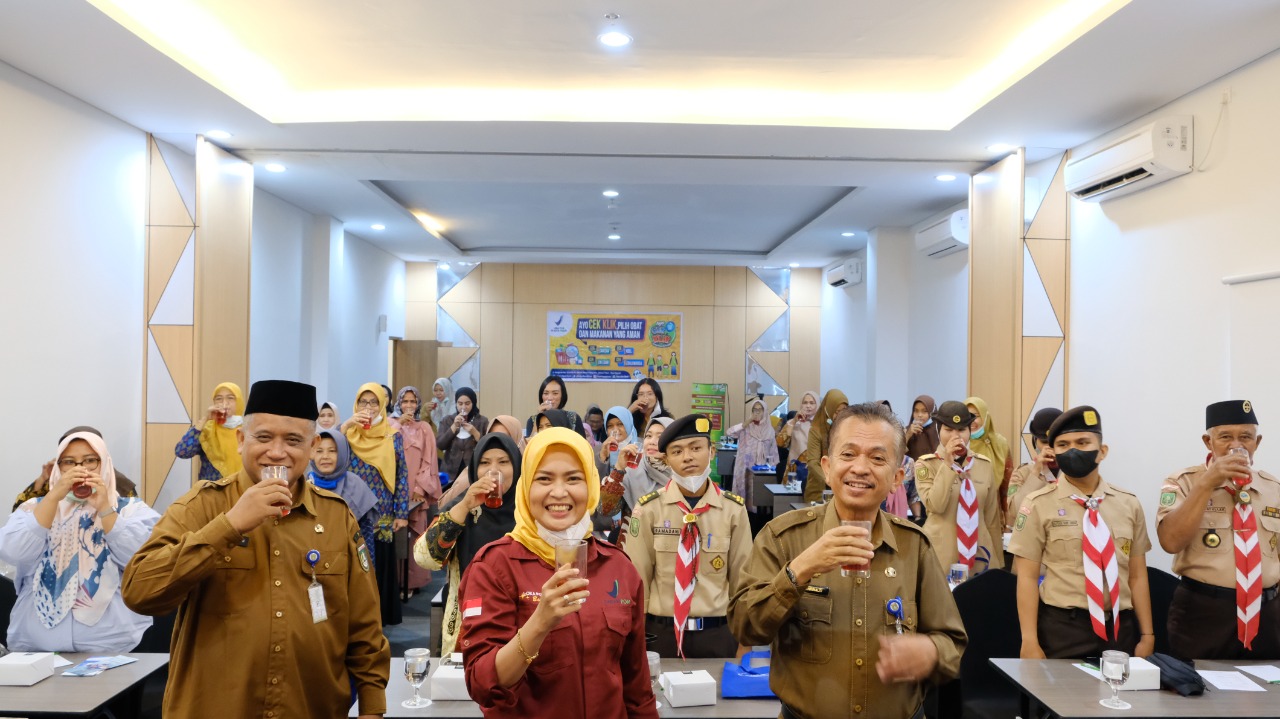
90	463
368	404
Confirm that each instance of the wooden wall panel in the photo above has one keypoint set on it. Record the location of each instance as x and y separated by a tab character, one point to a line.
806	287
469	288
759	294
730	363
497	363
498	283
804	356
572	285
731	285
224	208
420	282
420	320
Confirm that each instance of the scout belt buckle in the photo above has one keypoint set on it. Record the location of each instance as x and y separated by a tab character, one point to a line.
693	624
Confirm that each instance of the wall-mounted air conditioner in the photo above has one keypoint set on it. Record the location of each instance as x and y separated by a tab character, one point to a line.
950	234
1151	154
848	272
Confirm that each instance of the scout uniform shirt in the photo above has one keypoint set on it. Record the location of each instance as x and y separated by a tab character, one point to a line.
244	640
1050	530
1021	485
1210	556
825	636
939	488
725	536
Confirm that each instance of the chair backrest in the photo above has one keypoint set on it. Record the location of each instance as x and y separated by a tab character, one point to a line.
8	597
988	605
1161	584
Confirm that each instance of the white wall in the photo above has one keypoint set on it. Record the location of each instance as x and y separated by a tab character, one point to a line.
276	289
843	347
1152	325
939	326
71	281
364	282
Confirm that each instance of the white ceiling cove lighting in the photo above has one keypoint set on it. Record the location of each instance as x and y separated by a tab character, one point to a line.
795	264
614	38
218	135
615	236
610	193
945	178
379	226
444	266
846	234
273	167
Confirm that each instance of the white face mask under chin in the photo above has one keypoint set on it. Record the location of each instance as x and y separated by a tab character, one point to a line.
694	483
578	531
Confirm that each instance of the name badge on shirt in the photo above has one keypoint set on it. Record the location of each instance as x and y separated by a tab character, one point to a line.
315	592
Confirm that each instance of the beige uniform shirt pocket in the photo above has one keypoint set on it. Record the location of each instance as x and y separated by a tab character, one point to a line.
910	618
1063	543
808	636
1269	534
331	573
234	580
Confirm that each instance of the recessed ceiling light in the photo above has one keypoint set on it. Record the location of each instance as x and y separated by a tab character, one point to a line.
444	266
945	178
999	147
614	38
273	167
610	193
218	135
615	237
379	226
846	234
795	264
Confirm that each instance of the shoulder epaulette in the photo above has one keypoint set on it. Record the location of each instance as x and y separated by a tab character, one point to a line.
649	497
326	493
795	518
1047	489
924	457
905	523
734	498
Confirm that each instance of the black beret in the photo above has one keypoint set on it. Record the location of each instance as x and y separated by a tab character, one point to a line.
692	425
954	414
1042	421
282	397
1233	411
1077	419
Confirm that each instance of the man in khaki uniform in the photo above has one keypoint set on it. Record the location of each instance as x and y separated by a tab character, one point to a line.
719	528
939	486
238	558
847	646
1066	616
1195	524
1038	473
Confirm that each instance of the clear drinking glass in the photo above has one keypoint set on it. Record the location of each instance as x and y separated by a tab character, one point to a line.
572	551
655	671
958	575
416	664
1115	671
857	570
827	495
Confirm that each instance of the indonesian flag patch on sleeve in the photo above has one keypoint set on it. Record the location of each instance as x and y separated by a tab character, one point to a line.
471	608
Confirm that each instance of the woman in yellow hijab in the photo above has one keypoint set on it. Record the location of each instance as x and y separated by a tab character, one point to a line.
214	441
985	440
377	457
535	636
832	402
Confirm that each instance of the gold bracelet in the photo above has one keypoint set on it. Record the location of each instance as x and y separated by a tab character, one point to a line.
520	645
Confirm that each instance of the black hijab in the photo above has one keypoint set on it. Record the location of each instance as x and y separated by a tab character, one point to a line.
558	418
475	403
492	524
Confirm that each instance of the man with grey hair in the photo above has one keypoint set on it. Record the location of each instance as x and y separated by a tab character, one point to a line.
271	580
861	642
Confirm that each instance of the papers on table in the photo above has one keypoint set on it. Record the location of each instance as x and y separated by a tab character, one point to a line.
59	662
1230	681
1265	672
93	666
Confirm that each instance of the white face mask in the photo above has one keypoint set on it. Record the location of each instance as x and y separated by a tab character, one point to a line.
233	422
577	531
694	483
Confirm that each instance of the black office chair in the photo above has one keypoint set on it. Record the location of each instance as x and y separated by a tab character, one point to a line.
988	605
1161	584
8	597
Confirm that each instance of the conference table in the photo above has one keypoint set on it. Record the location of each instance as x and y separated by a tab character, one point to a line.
399	690
78	696
780	497
1068	692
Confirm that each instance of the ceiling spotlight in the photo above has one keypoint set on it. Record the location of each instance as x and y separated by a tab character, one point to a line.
610	194
444	266
615	236
945	178
999	148
379	226
846	234
273	167
218	135
614	38
795	264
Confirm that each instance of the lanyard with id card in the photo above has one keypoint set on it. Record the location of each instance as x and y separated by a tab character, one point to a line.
315	592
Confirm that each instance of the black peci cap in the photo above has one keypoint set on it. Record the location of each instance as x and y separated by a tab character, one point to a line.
1042	421
284	398
1233	411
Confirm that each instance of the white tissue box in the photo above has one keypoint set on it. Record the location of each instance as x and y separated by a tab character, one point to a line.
22	669
449	683
1142	675
689	689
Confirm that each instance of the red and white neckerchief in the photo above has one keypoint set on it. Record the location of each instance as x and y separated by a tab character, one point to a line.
1244	528
966	514
687	562
1101	572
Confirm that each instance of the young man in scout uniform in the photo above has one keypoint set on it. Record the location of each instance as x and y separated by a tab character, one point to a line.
850	645
1090	538
961	494
271	580
1039	472
1221	520
689	542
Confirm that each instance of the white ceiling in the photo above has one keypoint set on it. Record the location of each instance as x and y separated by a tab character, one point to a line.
729	187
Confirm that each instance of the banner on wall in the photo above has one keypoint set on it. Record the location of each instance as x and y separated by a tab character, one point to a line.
596	347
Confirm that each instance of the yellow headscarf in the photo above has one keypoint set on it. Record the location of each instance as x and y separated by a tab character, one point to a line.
219	443
991	444
376	445
526	531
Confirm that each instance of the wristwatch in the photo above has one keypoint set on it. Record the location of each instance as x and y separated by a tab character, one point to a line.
791	576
